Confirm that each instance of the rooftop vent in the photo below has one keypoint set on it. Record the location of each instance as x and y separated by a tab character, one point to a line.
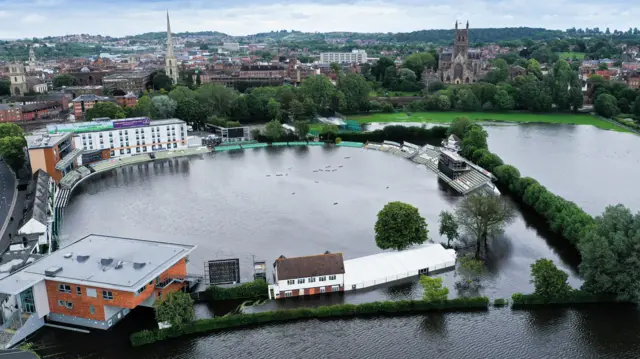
68	255
82	257
138	265
327	252
51	272
119	265
106	261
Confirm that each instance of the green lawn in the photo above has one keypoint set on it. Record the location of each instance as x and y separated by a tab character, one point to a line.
571	55
447	117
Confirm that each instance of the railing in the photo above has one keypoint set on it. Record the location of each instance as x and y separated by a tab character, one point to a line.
179	279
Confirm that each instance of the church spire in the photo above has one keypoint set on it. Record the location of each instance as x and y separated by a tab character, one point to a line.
169	39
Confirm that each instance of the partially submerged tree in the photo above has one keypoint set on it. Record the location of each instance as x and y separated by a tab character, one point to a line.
448	227
400	225
433	289
175	308
470	269
481	214
549	281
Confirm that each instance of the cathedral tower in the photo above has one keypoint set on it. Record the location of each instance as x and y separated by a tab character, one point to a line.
461	41
170	62
18	79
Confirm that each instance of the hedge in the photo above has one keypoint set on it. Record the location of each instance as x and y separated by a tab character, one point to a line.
520	300
333	311
416	135
500	302
256	289
563	217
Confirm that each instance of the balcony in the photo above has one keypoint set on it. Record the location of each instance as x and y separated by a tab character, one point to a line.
189	278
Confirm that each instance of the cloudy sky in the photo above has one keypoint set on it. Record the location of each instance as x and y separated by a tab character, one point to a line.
29	18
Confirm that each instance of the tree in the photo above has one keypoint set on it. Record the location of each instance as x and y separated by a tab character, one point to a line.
161	81
163	107
143	108
63	80
319	90
273	130
400	225
636	108
475	138
216	99
504	101
433	289
603	66
576	98
470	269
467	100
443	103
191	111
481	214
302	129
380	67
105	109
459	127
176	308
506	174
549	281
606	105
12	144
448	227
611	254
5	88
273	108
296	109
198	80
335	68
356	91
418	61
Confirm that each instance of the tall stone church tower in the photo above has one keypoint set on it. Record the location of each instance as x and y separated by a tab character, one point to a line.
461	42
18	79
170	62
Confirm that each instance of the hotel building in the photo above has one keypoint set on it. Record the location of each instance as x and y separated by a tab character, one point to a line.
53	153
94	282
101	140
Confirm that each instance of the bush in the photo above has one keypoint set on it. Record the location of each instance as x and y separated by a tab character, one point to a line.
252	290
500	302
331	311
338	140
415	135
574	297
387	107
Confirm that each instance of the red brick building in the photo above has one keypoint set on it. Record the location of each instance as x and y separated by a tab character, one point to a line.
84	102
10	113
128	100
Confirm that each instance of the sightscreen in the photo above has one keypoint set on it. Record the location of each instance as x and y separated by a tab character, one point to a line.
236	132
224	271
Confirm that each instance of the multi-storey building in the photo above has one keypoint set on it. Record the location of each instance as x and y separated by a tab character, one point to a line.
309	275
84	102
125	137
261	71
10	113
134	81
94	282
128	100
53	153
355	56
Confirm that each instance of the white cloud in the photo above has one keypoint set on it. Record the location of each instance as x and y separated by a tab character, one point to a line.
240	17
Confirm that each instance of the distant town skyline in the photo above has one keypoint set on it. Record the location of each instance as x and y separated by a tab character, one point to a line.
40	18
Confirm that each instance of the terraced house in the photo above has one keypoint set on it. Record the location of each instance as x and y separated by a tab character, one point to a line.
94	282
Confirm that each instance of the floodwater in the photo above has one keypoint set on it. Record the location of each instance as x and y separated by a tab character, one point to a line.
234	205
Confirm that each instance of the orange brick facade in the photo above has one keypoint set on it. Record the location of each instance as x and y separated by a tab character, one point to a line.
82	303
310	291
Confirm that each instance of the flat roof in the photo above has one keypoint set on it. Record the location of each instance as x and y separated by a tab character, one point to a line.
92	261
47	140
378	268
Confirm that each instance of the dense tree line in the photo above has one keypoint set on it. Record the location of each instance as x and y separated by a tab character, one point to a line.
609	244
613	98
12	144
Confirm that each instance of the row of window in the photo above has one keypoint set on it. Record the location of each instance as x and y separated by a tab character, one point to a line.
311	279
126	143
334	288
69	305
137	133
91	292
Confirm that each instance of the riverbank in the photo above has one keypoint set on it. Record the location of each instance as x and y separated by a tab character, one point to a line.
513	117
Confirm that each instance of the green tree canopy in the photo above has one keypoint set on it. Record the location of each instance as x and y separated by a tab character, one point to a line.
418	61
176	308
433	289
63	80
273	130
105	109
611	254
400	225
448	227
549	281
319	90
12	144
5	88
356	91
606	105
163	107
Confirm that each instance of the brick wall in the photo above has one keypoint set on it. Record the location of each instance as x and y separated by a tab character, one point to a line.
310	291
82	303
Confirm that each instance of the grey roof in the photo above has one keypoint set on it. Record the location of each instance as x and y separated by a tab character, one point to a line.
46	141
91	97
12	260
93	270
68	159
170	121
37	207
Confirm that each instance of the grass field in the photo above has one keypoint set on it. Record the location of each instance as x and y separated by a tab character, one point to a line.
447	117
571	55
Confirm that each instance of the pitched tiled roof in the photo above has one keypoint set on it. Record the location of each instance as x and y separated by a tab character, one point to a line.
311	266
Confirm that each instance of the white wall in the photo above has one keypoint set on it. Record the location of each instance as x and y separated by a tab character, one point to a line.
283	286
41	299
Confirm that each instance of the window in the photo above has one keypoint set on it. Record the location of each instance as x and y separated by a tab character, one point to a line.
91	292
122	152
69	305
322	279
141	289
107	294
61	303
137	149
64	288
78	291
312	280
128	150
291	282
175	145
92	309
287	293
144	149
159	294
335	288
323	289
66	304
157	280
332	277
353	287
301	281
112	152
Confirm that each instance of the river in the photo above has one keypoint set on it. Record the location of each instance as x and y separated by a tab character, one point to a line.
232	205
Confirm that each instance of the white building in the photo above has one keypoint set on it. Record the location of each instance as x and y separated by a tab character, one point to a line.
355	56
231	46
309	275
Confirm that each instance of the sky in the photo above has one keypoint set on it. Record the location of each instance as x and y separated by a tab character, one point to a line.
39	18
